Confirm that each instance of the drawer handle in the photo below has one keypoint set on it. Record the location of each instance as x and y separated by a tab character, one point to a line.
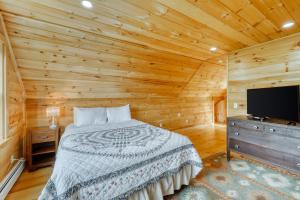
236	146
255	127
272	130
237	133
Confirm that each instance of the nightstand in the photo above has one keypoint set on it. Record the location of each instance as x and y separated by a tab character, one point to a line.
42	144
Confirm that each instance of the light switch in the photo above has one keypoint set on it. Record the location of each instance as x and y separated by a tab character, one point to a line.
235	105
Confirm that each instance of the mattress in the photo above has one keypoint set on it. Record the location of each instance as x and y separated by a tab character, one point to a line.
128	160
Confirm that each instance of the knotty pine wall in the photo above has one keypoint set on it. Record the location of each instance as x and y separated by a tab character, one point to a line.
271	64
70	67
189	105
171	113
13	145
172	108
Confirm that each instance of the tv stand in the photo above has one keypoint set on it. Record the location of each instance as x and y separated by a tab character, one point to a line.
258	118
292	123
270	140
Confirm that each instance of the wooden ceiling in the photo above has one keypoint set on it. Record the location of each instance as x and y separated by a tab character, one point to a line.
136	48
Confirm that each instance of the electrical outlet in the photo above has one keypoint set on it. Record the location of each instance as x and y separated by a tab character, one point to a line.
235	105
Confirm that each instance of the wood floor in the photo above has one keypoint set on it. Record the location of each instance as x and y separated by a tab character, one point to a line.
207	140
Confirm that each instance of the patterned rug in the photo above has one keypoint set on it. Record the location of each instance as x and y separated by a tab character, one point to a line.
241	179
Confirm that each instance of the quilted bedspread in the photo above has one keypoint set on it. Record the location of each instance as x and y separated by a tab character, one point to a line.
116	160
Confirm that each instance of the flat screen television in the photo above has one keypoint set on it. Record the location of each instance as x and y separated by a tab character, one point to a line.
276	102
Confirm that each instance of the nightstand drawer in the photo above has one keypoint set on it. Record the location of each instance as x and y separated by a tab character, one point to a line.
39	137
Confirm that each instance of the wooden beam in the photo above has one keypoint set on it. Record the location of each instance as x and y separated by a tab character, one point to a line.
201	16
11	52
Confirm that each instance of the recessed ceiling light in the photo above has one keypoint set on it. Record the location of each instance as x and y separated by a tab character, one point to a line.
288	24
213	49
86	4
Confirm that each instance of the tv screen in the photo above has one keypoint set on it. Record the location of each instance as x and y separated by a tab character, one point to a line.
277	102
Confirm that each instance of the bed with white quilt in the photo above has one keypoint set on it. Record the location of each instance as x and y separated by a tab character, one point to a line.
124	160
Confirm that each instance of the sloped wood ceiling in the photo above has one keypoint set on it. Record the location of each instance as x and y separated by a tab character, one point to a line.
154	54
133	48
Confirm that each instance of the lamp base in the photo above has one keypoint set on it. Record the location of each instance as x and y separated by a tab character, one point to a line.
52	126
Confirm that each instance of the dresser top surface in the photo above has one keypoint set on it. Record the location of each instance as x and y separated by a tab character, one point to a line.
270	122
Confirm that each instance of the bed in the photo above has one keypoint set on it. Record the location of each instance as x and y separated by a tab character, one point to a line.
127	160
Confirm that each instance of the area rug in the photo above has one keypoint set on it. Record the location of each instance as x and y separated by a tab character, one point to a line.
242	179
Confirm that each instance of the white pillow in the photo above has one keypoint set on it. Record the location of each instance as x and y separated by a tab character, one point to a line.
118	114
89	116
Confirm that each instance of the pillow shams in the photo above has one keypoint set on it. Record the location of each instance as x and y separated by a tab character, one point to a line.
89	116
118	114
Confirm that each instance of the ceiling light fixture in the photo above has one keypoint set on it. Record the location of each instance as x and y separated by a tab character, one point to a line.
288	24
86	4
213	49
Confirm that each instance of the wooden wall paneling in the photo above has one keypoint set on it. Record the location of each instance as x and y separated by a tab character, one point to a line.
119	13
15	108
153	19
293	8
271	64
228	16
154	51
153	55
201	16
275	11
34	29
13	145
188	26
74	64
171	113
70	20
257	17
169	25
220	110
7	149
209	79
11	52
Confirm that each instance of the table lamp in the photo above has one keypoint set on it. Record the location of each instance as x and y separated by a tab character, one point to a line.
52	112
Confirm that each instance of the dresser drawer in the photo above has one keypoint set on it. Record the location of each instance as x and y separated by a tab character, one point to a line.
237	132
246	125
274	156
43	136
289	132
269	140
245	135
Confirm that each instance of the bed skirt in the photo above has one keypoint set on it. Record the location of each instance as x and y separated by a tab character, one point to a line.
166	185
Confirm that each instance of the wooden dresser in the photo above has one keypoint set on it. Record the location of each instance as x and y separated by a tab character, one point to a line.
272	140
42	144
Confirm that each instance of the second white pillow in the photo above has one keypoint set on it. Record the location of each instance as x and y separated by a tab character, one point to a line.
89	116
118	114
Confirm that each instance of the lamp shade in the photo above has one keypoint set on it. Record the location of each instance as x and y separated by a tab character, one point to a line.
52	111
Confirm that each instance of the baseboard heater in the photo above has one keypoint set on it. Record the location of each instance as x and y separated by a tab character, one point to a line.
8	182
